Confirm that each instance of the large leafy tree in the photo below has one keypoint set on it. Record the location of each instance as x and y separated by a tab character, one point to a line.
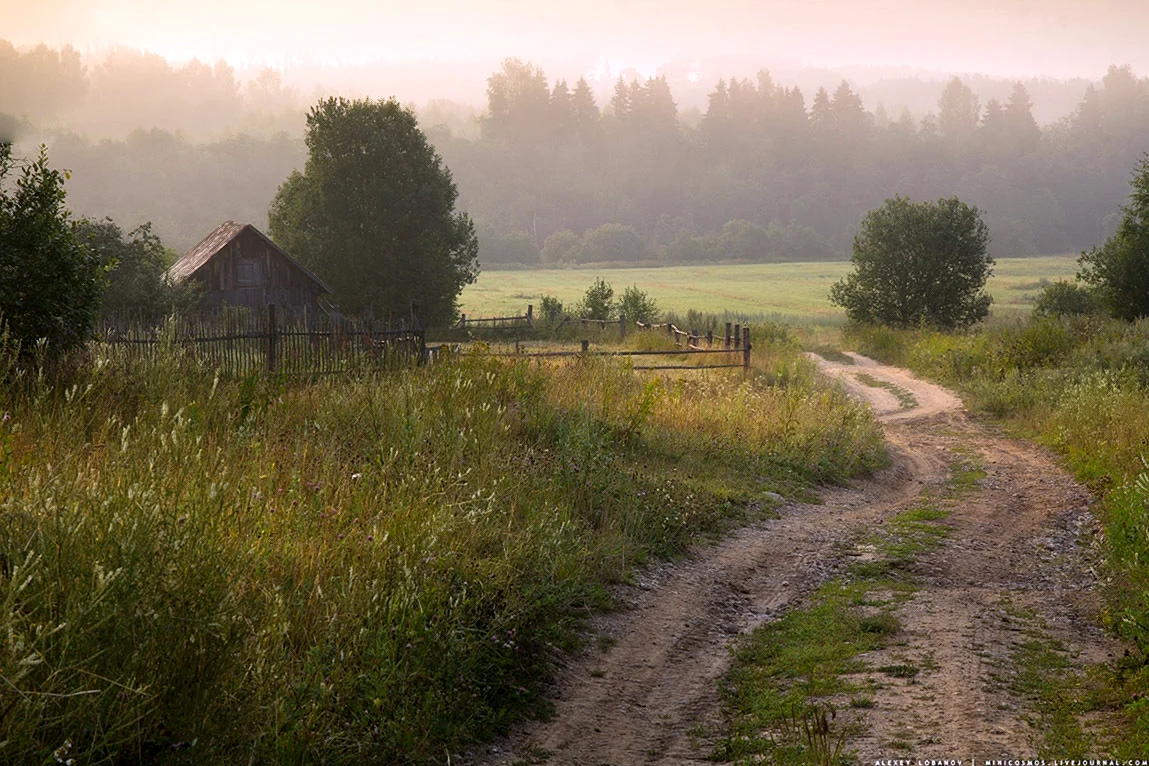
1119	269
918	263
374	214
50	282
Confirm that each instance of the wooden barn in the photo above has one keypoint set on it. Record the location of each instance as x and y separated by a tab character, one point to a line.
237	265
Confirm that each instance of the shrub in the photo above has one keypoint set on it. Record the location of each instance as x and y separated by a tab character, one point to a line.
50	282
637	306
598	302
550	308
1063	298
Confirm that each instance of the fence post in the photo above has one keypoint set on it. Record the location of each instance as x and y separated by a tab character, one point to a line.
737	335
622	326
271	333
710	338
585	345
463	321
531	315
745	348
728	326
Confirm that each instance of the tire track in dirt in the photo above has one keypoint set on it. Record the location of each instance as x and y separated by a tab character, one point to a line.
651	695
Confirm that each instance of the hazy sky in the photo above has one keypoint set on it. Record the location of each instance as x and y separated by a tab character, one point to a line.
1059	38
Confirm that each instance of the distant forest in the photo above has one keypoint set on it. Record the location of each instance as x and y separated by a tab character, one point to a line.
764	173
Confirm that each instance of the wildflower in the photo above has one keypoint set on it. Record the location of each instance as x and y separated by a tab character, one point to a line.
370	538
356	476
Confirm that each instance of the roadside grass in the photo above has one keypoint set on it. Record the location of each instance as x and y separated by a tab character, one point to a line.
783	695
904	397
349	570
1081	387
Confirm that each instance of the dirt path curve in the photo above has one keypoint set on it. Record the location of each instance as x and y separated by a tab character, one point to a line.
644	690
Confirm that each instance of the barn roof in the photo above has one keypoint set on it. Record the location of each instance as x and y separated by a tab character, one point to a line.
198	256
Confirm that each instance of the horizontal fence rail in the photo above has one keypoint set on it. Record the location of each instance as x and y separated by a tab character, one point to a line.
242	342
735	335
525	320
742	350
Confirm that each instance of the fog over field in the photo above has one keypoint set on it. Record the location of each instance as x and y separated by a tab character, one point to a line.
734	131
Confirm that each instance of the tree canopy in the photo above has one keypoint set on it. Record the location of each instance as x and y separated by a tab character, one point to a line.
1118	270
50	283
918	263
373	213
136	262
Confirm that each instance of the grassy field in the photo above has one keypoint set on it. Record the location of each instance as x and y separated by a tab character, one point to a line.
787	292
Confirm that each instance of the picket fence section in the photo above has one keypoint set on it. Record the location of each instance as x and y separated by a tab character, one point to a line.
242	342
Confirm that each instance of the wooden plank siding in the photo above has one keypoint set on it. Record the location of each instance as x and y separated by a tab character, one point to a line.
249	272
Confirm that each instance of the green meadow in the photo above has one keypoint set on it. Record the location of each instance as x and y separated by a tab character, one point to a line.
788	292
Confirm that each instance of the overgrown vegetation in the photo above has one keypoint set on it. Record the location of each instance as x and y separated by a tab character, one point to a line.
136	262
1118	270
50	282
1081	386
205	570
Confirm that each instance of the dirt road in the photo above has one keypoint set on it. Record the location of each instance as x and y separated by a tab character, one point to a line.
645	691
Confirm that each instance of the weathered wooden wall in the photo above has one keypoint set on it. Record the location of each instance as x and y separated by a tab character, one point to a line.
251	273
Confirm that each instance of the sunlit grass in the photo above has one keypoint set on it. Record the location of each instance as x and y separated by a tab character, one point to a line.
780	292
357	570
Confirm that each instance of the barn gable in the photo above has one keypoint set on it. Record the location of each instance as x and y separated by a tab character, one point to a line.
237	265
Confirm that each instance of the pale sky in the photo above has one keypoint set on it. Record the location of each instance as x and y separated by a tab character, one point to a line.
1058	38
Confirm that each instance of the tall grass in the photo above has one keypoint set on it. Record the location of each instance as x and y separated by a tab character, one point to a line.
350	570
1080	386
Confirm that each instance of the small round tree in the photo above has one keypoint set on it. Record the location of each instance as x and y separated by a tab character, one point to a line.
918	264
50	283
1119	269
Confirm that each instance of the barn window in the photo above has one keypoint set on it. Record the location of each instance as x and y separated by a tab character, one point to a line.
246	272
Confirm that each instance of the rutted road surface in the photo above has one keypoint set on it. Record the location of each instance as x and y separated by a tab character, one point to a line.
645	688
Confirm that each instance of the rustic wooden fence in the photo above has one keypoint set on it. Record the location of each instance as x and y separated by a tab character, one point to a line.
525	320
736	335
241	342
739	354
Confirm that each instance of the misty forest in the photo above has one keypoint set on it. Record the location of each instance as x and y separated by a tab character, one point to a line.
553	174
